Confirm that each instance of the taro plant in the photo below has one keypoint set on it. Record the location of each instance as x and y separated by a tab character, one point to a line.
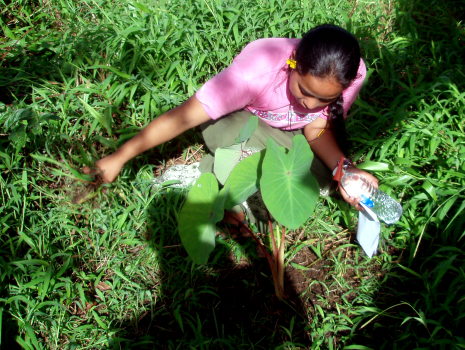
289	191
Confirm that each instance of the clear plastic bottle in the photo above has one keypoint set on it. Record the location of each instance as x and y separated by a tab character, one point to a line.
385	207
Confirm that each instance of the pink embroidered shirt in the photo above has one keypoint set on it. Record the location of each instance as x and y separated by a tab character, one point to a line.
257	80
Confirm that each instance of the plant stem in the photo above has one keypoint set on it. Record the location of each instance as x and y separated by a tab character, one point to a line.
275	260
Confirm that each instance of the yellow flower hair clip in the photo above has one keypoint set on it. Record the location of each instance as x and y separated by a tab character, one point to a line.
292	63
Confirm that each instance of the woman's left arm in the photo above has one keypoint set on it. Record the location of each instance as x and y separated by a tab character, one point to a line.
323	144
325	147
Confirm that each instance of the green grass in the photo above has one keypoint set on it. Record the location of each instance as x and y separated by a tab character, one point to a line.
77	78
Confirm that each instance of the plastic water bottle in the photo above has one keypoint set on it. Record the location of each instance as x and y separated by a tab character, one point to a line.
385	207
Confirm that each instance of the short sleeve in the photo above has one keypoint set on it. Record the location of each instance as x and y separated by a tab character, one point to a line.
251	73
350	93
226	92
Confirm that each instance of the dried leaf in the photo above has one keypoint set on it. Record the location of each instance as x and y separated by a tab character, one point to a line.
102	286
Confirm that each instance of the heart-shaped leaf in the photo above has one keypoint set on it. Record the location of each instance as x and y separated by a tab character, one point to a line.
197	218
248	129
243	180
288	188
225	160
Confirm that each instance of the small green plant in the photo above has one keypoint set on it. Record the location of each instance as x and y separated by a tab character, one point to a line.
289	191
24	125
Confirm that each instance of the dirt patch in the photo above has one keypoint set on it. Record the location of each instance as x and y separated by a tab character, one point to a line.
234	301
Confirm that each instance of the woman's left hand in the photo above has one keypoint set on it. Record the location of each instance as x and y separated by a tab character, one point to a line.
352	200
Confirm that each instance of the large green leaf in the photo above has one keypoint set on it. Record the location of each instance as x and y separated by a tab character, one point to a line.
243	180
248	129
197	218
289	190
225	160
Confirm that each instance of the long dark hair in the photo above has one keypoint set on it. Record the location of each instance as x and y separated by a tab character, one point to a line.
330	51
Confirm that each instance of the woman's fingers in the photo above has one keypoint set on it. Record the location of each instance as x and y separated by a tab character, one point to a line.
352	201
90	171
368	178
105	170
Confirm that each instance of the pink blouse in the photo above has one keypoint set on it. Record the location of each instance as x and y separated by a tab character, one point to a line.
257	80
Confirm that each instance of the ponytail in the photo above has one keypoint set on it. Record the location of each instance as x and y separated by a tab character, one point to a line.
337	123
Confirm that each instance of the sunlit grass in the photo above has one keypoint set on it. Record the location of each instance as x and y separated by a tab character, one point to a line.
78	78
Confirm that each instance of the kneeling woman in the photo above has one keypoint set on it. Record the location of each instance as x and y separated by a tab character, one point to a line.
293	85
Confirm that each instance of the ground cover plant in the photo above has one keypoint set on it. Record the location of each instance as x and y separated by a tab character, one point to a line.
105	269
262	172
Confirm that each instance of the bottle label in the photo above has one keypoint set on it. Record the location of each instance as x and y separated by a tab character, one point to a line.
367	201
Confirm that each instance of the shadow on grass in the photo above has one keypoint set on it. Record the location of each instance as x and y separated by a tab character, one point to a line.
8	331
227	304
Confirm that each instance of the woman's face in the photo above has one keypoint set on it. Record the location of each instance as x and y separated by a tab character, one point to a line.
313	92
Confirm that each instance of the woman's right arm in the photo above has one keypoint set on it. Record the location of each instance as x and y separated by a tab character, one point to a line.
164	128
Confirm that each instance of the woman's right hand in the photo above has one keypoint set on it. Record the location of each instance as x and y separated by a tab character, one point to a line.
107	168
164	128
